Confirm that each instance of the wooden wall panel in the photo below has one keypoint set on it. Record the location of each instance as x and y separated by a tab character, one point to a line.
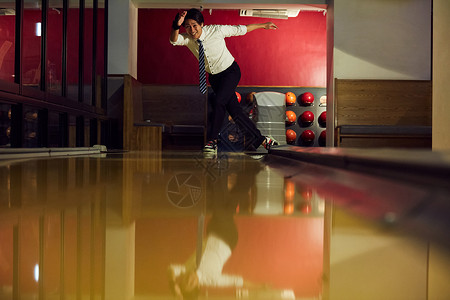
136	134
180	105
383	102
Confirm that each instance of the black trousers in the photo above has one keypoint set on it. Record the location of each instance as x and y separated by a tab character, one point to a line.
224	86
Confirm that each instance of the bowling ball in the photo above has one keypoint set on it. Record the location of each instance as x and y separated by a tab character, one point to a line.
289	190
305	207
290	98
308	136
323	100
323	119
307	99
323	138
289	208
306	193
250	98
307	117
291	136
291	117
252	114
238	97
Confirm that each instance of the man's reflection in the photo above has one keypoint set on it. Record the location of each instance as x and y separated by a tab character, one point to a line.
226	192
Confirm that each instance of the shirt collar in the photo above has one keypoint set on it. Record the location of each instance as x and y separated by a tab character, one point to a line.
203	35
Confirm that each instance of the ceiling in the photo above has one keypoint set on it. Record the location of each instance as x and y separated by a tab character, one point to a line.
206	4
244	4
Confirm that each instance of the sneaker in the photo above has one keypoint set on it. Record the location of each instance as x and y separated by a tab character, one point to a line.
210	147
269	142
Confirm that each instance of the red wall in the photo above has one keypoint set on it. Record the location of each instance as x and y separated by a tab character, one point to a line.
293	55
32	45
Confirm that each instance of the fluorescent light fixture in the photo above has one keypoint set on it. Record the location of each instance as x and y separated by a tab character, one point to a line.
38	29
269	13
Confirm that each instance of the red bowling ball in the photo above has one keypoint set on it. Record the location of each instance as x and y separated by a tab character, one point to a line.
308	136
238	97
323	138
305	208
323	135
291	136
323	119
307	99
307	117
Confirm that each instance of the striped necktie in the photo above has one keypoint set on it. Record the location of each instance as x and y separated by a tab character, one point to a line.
201	67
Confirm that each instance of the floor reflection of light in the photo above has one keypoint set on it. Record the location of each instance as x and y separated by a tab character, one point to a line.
36	272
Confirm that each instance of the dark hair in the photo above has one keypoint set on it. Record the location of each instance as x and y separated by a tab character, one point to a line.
196	15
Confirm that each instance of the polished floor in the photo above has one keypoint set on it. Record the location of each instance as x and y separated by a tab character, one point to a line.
132	225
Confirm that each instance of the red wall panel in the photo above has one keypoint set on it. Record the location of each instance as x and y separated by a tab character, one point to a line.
293	55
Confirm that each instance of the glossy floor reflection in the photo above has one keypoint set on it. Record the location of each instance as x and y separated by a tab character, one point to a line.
233	226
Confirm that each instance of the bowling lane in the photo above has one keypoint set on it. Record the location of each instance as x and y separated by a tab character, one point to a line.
133	225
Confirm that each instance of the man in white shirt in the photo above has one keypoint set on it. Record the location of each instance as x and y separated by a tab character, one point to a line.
224	72
225	193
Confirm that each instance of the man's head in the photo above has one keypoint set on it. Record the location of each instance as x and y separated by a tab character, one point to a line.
193	23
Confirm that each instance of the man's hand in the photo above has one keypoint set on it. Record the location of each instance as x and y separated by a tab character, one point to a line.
180	18
270	25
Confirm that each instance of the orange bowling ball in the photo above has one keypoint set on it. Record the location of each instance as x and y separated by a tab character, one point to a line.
291	136
290	98
291	117
250	98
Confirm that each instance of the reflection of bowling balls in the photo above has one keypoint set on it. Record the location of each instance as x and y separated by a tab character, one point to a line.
323	119
238	97
307	99
306	193
288	208
291	117
290	98
291	136
308	136
323	138
289	190
250	98
307	117
305	207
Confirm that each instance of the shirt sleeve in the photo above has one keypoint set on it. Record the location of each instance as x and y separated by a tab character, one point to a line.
233	30
177	269
181	40
230	281
220	280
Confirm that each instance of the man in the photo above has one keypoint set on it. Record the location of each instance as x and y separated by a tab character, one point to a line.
225	194
224	72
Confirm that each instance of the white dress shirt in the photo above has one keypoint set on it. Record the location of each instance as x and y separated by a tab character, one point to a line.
217	56
215	254
214	257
